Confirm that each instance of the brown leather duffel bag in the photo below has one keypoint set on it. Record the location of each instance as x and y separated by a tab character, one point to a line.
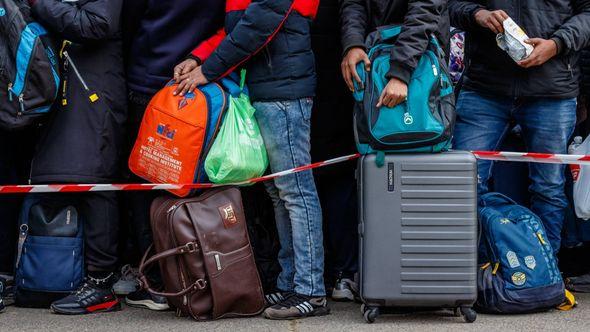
205	257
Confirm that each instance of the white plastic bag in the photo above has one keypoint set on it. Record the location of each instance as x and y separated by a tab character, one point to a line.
582	183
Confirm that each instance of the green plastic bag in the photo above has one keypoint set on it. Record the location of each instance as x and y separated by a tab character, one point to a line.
238	152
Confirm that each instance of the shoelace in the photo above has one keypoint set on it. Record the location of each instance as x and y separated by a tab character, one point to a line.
82	289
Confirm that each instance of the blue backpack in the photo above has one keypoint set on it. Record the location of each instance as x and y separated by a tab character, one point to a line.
424	123
518	271
50	253
29	79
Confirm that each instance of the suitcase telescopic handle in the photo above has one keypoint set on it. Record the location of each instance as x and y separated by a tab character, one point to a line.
188	248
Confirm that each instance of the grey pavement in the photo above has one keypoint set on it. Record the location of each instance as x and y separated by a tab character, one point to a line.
344	317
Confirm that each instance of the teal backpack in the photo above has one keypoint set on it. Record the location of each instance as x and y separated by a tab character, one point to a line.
424	123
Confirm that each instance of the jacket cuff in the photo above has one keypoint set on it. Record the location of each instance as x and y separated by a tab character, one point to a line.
400	71
351	46
209	74
558	43
196	58
474	10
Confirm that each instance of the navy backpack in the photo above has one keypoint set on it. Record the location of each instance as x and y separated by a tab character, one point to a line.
50	253
29	79
518	271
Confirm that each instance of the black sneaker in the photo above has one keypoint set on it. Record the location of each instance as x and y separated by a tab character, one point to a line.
88	299
298	306
276	297
147	300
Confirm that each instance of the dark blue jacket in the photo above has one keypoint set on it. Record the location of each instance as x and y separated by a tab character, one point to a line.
161	33
272	39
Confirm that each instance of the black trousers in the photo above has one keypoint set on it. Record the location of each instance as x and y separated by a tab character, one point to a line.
16	150
338	196
137	204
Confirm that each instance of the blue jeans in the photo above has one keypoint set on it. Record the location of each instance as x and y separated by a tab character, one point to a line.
547	124
285	128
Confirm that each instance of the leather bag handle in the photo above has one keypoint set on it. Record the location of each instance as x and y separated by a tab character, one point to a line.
189	247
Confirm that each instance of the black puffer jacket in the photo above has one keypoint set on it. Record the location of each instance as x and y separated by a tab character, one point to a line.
81	142
420	18
491	70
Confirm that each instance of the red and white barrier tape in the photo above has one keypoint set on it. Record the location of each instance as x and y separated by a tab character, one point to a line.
62	188
486	155
531	157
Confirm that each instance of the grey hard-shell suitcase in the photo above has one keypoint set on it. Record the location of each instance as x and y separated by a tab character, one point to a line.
418	232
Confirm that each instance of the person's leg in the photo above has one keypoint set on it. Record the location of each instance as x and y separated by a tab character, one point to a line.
138	206
16	151
547	125
286	256
9	204
100	217
285	128
482	122
100	213
338	196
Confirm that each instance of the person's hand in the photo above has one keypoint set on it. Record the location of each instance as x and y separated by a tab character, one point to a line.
189	82
491	19
395	92
545	49
184	68
348	66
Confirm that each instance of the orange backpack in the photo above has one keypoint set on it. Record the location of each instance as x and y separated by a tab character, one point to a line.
176	134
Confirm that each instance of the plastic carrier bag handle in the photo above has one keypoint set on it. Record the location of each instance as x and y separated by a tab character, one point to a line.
234	84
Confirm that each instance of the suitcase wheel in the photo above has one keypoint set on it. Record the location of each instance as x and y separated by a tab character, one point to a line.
370	313
469	315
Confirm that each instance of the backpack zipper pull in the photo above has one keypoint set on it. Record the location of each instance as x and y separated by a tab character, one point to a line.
21	101
10	91
434	70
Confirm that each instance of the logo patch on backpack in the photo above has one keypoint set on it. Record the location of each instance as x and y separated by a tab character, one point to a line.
165	131
2	11
530	262
518	278
228	215
512	259
408	119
